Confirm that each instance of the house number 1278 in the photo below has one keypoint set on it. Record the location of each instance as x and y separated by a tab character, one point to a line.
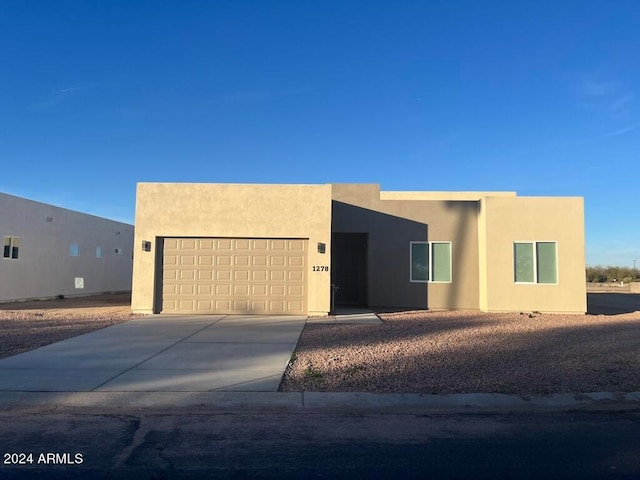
320	268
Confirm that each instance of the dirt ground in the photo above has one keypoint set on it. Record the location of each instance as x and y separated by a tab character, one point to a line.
28	325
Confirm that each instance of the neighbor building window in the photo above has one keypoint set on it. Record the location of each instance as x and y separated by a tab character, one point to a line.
74	250
11	247
430	262
535	262
118	251
98	252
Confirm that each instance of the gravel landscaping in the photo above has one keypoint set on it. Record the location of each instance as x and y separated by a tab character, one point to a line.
25	326
470	351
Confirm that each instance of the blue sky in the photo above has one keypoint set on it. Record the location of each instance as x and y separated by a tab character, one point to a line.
540	97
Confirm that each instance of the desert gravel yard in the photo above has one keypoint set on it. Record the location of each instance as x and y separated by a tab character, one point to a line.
28	325
470	351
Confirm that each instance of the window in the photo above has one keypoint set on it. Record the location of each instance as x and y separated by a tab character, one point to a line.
98	252
11	247
118	251
430	262
74	250
535	262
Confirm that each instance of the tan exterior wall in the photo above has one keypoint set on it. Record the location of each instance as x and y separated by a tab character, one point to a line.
504	221
392	224
232	210
44	268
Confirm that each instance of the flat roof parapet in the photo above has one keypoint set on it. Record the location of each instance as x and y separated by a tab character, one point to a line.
442	195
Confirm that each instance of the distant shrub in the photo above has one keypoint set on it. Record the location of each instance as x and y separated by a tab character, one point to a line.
600	274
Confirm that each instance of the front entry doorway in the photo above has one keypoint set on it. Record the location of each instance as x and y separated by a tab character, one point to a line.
349	268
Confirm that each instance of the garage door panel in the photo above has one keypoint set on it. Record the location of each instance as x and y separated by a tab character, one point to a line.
205	260
276	290
204	306
277	305
169	274
222	305
259	275
260	260
224	260
295	290
222	275
278	245
258	290
185	305
205	274
294	276
241	306
241	289
187	274
187	260
171	260
260	244
259	306
169	289
296	245
295	306
188	244
278	261
297	261
241	275
241	260
277	275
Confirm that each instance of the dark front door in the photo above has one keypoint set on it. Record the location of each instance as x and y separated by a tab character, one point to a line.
349	268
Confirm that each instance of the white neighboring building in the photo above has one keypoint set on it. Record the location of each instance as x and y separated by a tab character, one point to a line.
50	251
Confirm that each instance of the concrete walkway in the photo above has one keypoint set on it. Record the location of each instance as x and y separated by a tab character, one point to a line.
162	353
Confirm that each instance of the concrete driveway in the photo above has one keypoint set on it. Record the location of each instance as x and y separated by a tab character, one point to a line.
162	353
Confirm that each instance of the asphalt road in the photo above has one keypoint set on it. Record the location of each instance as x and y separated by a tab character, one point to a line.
600	303
145	445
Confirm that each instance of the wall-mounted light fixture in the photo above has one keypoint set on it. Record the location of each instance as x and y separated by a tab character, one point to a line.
321	247
146	246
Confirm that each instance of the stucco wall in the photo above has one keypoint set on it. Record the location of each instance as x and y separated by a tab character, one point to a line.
232	210
507	220
44	267
391	225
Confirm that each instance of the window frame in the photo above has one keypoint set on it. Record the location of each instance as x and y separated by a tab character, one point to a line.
14	247
430	264
535	243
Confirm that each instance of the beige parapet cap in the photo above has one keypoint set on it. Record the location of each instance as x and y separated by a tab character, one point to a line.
442	195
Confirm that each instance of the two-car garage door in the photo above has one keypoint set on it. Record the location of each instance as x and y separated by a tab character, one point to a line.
234	275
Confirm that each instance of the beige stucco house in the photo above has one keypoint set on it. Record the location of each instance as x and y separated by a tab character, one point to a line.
281	249
50	251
